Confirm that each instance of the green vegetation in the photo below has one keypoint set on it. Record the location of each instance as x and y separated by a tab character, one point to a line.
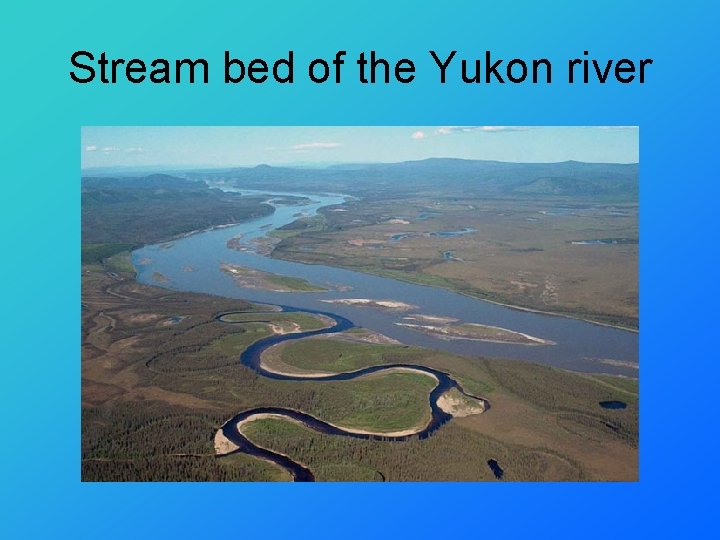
222	345
314	223
259	279
621	384
135	211
453	454
305	321
96	253
154	442
294	284
577	186
476	387
571	396
120	262
382	402
216	350
233	344
337	355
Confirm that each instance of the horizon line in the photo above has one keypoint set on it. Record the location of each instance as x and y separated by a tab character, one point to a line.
326	164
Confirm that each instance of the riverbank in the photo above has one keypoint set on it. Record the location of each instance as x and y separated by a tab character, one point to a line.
482	296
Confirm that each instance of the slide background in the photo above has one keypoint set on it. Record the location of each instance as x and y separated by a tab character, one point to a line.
40	216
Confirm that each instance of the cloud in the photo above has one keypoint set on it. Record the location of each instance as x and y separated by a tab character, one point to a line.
112	149
316	145
449	130
418	135
617	128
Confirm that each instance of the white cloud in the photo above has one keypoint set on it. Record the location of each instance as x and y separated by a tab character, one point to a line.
112	149
316	145
418	135
449	130
618	128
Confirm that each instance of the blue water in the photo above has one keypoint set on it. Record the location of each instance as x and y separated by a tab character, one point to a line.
580	346
496	469
613	405
432	234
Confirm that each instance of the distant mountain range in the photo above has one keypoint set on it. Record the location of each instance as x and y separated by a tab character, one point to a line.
448	175
568	178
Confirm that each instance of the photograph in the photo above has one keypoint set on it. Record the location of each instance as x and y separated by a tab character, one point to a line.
359	303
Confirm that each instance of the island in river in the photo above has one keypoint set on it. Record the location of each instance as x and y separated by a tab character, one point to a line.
257	279
449	328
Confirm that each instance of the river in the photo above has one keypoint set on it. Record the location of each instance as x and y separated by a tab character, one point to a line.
251	358
192	264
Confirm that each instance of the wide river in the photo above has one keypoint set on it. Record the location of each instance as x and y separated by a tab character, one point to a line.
192	264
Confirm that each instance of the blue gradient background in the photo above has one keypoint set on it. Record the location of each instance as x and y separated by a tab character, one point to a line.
42	114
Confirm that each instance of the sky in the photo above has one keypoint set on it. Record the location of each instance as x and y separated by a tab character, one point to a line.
226	146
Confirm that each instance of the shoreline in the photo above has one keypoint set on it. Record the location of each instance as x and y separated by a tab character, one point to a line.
399	433
310	375
443	333
496	302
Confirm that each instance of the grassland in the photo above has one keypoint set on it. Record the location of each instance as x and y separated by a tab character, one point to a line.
335	355
291	320
299	226
258	279
96	253
520	253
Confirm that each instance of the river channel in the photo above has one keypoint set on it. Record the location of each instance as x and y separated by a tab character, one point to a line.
192	263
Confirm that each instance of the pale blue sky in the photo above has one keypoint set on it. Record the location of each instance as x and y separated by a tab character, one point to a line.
249	146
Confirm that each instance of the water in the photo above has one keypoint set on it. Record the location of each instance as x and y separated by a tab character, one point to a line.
428	215
580	346
433	234
448	256
496	469
613	405
605	241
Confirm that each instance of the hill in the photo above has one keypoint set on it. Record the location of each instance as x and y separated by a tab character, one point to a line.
118	213
447	176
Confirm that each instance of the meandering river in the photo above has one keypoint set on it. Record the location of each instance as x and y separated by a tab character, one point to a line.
251	358
192	264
